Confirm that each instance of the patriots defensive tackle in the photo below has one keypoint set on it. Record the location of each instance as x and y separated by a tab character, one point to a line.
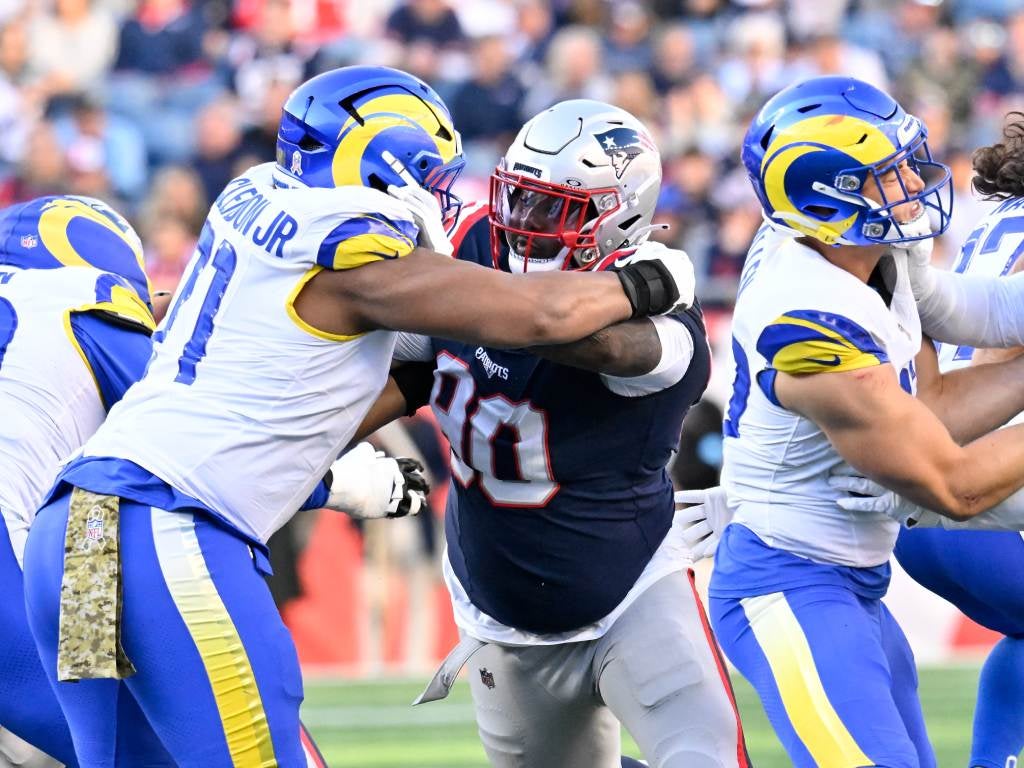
143	569
568	577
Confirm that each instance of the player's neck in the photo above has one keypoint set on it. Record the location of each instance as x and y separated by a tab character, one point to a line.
859	260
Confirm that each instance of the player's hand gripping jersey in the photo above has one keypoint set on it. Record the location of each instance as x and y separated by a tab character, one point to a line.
70	274
245	373
797	313
560	496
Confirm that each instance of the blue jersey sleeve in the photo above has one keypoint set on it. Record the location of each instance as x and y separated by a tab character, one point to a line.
116	350
318	498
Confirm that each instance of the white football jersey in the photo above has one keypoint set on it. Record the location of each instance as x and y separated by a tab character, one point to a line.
244	406
992	248
49	400
798	313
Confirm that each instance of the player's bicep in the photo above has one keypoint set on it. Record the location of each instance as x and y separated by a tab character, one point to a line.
877	427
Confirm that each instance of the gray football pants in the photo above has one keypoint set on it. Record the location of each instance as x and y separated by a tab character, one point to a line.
657	670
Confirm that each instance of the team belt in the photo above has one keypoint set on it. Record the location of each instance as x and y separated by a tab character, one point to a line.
443	680
91	593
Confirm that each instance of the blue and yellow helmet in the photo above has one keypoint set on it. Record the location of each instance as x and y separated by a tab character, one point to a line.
338	128
71	231
812	147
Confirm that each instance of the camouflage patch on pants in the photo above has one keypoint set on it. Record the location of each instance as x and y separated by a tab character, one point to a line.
90	593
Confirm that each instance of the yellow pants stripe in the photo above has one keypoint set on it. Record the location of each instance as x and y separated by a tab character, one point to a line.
789	656
227	665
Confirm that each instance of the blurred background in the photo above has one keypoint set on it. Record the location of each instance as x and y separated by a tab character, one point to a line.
153	105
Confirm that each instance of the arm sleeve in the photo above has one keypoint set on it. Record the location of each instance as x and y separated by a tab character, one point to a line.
117	350
318	498
677	347
413	347
973	310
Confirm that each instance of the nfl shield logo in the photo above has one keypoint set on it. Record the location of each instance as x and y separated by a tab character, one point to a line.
94	529
487	678
29	241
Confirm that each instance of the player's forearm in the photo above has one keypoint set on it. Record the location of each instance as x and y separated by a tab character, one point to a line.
632	348
971	309
428	294
973	401
989	470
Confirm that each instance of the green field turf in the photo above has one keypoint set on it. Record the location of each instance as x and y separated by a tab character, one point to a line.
371	725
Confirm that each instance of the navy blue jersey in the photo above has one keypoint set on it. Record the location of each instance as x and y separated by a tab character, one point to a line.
560	494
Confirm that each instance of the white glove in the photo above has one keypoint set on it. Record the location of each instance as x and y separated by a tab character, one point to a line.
674	262
919	255
423	206
368	484
704	520
874	497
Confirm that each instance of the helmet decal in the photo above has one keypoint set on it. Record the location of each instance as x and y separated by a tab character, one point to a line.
621	145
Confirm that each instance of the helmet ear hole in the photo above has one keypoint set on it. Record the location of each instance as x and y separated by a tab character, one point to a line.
624	225
376	182
822	212
310	144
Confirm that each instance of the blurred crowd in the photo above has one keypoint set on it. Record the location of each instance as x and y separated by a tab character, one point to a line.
153	105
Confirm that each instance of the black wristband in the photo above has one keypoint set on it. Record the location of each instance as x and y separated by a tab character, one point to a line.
414	381
649	287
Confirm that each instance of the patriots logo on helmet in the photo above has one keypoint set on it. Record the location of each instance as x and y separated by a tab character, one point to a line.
621	145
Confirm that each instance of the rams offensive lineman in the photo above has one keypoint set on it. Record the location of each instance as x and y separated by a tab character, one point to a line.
827	368
276	344
72	283
75	321
569	581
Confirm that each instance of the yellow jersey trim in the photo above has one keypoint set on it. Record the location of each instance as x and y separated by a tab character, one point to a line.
289	306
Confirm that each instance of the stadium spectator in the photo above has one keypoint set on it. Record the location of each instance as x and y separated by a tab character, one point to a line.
72	49
169	246
674	61
430	21
121	142
573	70
628	46
487	107
218	149
162	75
269	52
177	192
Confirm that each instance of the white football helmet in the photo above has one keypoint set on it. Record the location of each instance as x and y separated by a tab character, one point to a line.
580	181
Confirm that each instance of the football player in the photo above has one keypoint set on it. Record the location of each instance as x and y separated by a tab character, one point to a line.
569	580
72	283
980	573
828	363
75	322
143	569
